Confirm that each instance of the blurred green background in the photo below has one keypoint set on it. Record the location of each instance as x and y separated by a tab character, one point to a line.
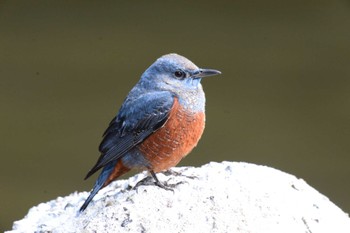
283	99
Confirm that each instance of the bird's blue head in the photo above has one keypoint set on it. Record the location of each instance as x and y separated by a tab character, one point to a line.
173	72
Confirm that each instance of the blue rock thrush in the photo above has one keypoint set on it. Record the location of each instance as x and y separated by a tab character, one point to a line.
159	123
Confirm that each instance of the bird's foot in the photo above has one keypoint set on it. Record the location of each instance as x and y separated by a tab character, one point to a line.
168	187
146	181
153	180
149	180
174	173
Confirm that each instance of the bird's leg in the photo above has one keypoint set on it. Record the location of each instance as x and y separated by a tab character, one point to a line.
148	181
158	183
167	186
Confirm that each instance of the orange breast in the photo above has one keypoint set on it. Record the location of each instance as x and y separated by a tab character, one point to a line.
180	134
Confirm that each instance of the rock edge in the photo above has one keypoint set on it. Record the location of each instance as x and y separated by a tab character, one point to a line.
217	197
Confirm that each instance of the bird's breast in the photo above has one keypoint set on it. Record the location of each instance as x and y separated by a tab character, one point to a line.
179	135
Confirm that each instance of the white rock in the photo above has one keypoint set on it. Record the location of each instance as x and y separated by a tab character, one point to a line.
218	197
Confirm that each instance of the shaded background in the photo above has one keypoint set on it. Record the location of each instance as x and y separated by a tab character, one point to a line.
65	68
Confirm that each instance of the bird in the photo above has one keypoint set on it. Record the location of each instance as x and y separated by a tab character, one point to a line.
159	123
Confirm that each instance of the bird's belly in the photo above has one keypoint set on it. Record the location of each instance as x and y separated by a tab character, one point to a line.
179	135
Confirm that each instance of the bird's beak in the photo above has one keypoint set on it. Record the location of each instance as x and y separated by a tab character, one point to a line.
201	73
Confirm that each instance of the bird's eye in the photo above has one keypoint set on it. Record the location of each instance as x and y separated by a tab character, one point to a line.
179	74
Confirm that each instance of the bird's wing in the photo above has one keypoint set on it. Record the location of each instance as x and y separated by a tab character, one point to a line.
137	119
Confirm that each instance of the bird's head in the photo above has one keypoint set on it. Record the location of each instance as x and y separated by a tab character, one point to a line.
173	71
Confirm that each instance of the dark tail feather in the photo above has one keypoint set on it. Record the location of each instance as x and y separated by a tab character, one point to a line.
91	172
99	183
89	199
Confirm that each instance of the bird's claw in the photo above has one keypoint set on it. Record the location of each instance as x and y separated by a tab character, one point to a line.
150	181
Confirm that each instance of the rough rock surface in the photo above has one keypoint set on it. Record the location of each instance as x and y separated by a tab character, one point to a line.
218	197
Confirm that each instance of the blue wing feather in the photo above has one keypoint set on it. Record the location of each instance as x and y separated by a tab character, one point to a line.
137	119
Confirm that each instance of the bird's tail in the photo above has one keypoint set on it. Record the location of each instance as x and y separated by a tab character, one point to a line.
110	172
88	200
